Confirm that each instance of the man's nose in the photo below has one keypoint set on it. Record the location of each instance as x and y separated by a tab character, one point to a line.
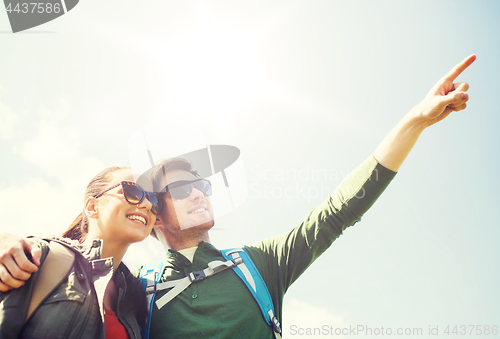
196	194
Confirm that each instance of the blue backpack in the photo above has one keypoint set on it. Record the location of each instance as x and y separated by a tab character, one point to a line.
236	258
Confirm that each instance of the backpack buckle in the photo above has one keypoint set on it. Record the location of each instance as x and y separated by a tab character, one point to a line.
151	289
237	261
197	276
276	325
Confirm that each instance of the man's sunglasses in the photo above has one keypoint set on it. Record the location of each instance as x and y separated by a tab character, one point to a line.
182	189
134	194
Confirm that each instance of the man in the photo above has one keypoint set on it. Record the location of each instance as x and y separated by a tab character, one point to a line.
221	306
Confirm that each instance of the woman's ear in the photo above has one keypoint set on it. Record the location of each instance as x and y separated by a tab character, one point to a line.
90	209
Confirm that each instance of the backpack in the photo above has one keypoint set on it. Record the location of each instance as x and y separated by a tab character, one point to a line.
54	269
236	258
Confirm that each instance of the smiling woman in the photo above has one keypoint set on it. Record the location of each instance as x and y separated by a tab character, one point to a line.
121	214
116	213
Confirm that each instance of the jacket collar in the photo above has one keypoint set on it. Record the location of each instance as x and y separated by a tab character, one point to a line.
177	259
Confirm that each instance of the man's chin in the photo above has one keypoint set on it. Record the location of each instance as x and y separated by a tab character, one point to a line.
202	224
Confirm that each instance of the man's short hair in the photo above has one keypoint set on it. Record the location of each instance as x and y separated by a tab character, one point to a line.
161	167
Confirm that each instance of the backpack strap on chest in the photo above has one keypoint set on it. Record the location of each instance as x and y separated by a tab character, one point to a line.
237	259
180	285
250	275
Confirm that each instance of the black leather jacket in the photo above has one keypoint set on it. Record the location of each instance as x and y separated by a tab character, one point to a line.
74	309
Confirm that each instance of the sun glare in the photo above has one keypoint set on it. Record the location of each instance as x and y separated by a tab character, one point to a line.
211	65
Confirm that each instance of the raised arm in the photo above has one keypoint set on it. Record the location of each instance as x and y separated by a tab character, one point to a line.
15	267
444	98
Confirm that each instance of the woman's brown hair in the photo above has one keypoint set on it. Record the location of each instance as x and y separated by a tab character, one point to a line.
79	228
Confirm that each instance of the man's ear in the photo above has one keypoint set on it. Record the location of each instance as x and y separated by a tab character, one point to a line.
90	209
158	222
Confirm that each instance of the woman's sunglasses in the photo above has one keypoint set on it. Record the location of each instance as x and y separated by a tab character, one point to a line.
182	189
134	194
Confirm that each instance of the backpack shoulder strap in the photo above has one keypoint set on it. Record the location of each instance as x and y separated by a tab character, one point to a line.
150	275
237	259
249	274
53	270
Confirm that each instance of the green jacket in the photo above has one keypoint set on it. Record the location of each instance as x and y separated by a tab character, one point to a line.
222	307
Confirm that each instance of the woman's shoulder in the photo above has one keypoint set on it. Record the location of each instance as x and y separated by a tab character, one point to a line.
70	243
63	248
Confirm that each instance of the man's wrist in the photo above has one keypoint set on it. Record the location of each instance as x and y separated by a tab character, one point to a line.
415	119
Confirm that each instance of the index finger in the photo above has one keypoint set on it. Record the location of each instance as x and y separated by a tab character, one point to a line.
455	72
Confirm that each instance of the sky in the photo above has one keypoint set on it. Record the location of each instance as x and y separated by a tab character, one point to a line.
305	91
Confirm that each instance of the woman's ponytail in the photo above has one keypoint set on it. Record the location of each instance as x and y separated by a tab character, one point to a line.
74	231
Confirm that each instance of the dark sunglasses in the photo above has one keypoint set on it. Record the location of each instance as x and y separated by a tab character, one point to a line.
134	194
182	189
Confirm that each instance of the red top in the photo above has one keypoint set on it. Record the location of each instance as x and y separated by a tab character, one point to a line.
114	329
